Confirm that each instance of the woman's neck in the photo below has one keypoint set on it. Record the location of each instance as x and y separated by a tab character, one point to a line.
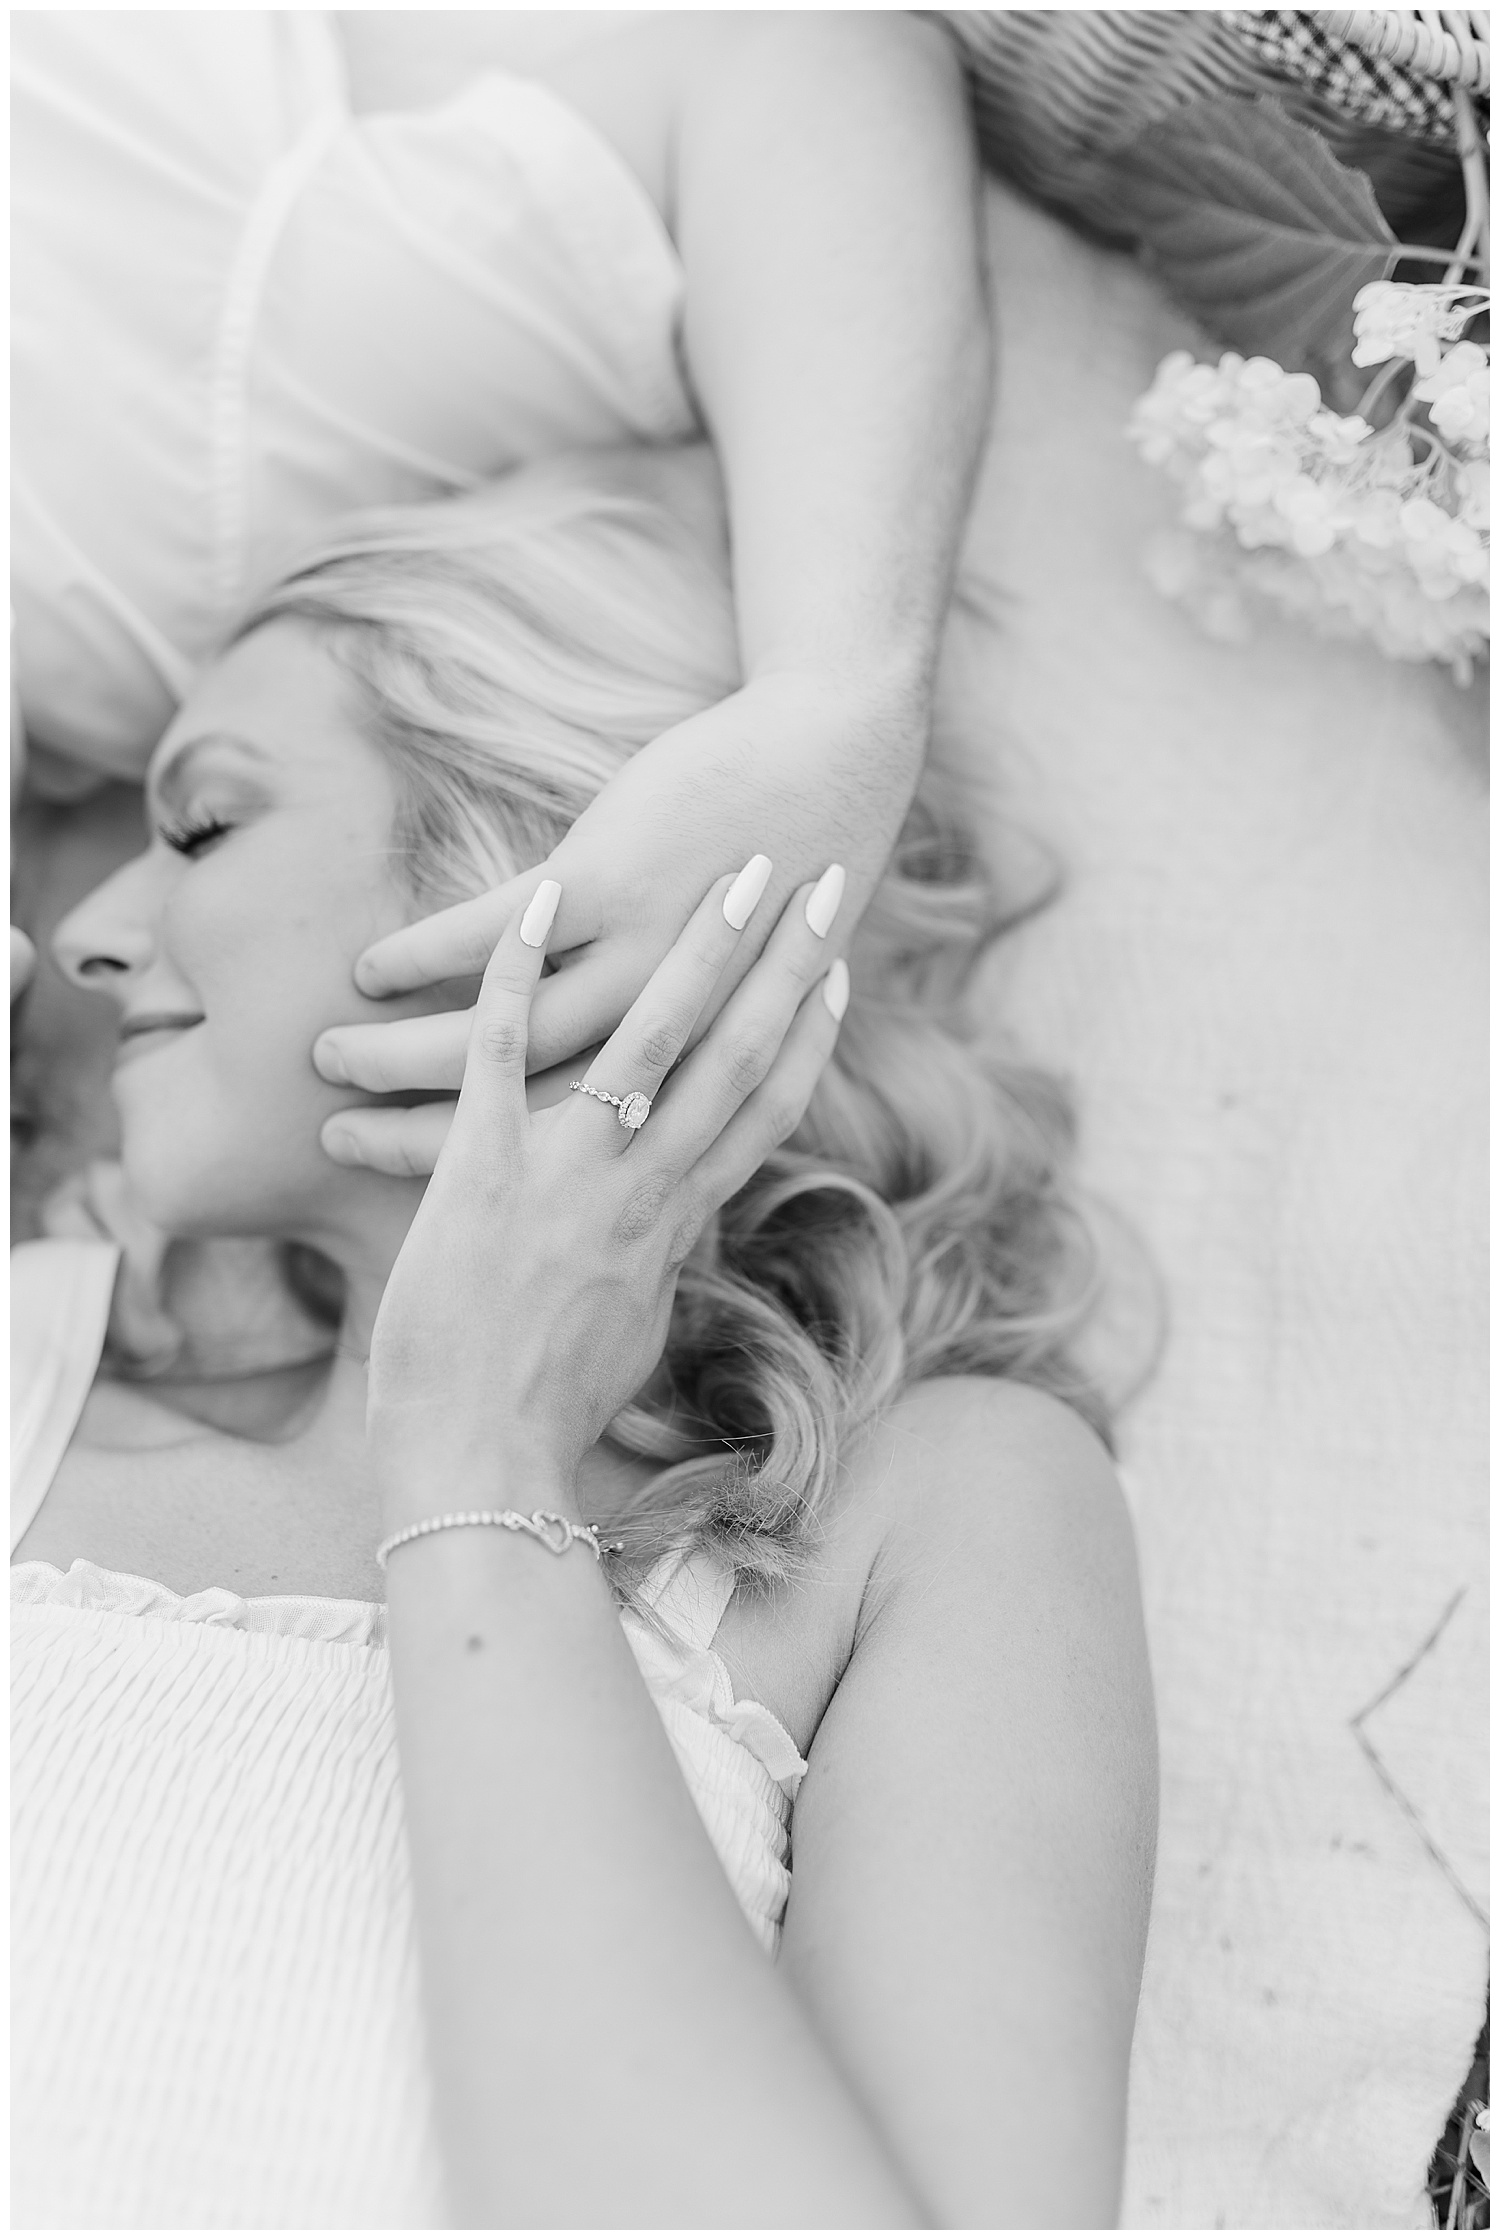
256	1364
335	1415
313	1410
366	1274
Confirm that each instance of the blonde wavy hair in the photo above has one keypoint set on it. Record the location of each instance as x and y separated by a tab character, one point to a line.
513	648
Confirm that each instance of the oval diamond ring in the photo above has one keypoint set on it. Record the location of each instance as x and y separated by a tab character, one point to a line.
634	1109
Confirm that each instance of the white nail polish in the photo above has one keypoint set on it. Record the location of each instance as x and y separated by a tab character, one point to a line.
746	892
540	912
836	988
823	902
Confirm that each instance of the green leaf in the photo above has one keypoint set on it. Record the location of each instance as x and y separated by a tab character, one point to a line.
1253	224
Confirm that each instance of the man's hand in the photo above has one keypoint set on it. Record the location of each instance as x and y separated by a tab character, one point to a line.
803	772
818	177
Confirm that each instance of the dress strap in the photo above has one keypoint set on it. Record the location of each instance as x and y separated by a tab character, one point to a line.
690	1595
60	1293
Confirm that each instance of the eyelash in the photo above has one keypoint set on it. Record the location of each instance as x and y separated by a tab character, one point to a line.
190	838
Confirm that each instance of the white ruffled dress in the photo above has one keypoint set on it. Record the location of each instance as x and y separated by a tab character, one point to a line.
216	2011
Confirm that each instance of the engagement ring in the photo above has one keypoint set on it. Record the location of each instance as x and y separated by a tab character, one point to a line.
634	1109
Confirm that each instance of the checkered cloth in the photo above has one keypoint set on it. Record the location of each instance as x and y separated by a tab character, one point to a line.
1295	44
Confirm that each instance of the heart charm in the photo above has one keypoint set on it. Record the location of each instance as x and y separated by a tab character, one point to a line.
553	1532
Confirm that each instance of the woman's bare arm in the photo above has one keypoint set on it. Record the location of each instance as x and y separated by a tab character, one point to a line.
610	2045
976	1833
972	1843
946	2040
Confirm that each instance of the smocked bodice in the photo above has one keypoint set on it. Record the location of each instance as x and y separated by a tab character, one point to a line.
216	2004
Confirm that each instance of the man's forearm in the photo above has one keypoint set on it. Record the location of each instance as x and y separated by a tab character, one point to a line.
825	204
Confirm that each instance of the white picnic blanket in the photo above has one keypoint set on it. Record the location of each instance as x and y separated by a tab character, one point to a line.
1267	978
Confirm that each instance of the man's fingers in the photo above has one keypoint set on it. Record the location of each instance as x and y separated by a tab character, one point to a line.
580	1006
424	1053
572	1012
391	1139
460	941
442	947
406	1139
491	1103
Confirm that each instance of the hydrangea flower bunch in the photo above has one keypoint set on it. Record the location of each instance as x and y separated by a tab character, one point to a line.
1362	532
1393	319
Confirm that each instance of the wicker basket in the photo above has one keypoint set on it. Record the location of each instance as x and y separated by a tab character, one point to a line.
1450	45
1057	92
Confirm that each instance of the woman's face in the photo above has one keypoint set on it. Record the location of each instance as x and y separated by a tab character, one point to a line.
229	945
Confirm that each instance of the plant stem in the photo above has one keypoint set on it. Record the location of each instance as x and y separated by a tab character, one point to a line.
1461	2173
1386	374
1476	233
1431	436
1404	252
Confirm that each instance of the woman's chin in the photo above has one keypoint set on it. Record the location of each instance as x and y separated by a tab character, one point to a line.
175	1207
188	1194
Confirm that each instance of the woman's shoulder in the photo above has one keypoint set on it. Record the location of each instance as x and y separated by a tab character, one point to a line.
986	1413
977	1478
960	1455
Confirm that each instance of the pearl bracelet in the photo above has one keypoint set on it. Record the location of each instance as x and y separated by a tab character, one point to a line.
556	1533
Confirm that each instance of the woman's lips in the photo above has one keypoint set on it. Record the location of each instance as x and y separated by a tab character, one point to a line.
151	1030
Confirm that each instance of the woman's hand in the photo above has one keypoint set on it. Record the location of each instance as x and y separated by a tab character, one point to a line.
805	769
531	1297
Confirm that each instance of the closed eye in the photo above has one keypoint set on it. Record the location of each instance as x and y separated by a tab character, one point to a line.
192	836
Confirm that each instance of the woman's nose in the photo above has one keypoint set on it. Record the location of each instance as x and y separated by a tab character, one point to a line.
109	934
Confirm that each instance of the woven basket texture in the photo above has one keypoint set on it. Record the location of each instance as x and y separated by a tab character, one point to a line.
1057	92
